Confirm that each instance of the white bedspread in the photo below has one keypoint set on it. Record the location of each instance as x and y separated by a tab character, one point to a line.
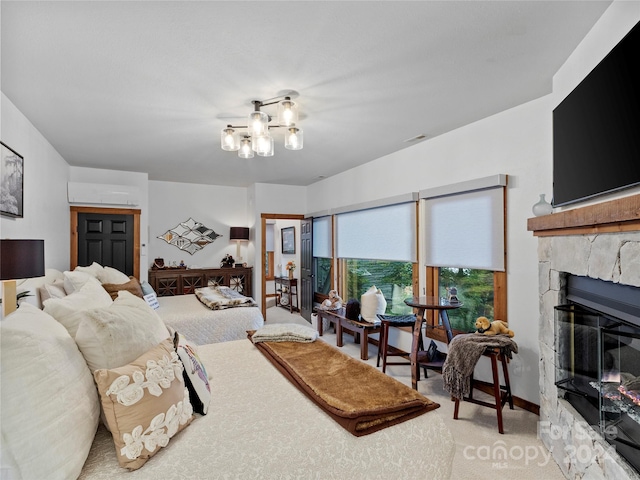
261	426
202	325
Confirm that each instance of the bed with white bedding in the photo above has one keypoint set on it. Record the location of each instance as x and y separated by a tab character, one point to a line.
201	325
260	426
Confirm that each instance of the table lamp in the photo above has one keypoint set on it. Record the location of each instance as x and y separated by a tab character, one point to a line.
18	259
239	234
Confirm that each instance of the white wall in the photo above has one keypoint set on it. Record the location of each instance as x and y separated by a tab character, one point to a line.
46	211
217	207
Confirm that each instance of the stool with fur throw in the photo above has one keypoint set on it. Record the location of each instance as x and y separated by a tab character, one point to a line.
465	351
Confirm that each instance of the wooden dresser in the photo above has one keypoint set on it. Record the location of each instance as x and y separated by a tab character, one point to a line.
182	281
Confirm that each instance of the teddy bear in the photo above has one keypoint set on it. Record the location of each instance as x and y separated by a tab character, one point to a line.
334	302
497	327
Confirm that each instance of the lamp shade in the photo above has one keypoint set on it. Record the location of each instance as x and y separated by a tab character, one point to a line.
239	233
21	259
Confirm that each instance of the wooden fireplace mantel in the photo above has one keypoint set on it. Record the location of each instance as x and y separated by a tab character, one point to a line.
621	215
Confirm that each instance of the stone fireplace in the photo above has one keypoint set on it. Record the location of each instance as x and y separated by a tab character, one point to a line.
602	242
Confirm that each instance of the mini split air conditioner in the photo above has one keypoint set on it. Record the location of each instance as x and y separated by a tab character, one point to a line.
102	193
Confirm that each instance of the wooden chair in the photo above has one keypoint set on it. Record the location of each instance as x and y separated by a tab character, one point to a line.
426	359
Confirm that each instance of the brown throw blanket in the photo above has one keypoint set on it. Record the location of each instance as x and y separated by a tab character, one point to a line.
356	395
464	352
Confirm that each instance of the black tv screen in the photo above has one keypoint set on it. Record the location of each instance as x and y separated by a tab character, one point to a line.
596	128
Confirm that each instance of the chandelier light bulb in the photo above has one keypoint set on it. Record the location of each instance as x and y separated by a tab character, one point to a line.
287	112
293	139
266	148
262	144
229	140
258	122
245	148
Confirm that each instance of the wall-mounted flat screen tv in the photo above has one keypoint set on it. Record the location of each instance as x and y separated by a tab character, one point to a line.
596	128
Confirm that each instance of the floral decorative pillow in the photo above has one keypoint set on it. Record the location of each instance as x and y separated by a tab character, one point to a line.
195	375
145	404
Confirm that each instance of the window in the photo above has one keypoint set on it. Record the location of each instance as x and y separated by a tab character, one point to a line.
322	275
474	288
377	246
394	279
322	254
268	266
464	230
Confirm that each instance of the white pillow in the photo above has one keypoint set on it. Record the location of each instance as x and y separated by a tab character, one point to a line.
74	281
113	336
95	270
52	290
372	302
50	404
111	275
32	286
68	310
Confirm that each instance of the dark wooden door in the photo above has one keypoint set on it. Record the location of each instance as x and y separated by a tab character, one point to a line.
306	268
107	239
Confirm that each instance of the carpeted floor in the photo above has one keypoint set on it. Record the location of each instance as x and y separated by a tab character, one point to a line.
481	452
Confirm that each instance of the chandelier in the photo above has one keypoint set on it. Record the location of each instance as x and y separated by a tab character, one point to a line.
255	136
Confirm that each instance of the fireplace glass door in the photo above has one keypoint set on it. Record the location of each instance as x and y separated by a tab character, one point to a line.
620	389
598	369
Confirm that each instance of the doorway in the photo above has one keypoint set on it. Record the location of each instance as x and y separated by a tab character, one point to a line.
274	261
108	236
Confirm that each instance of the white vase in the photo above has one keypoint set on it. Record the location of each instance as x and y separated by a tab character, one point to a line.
542	207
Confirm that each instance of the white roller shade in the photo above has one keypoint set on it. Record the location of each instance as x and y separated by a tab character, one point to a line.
383	233
270	246
466	230
322	240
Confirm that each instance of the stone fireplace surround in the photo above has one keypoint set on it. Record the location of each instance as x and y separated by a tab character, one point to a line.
599	241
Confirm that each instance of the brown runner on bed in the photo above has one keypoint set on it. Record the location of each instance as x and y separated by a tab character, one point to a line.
356	395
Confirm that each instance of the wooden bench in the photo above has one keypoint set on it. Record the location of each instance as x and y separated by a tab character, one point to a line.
360	330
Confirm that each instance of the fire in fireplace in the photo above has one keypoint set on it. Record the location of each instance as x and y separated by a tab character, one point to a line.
597	343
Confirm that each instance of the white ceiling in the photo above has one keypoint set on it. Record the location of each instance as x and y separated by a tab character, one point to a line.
147	86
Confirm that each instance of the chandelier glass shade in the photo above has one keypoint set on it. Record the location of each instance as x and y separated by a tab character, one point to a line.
263	145
230	140
293	139
255	137
287	112
246	150
258	123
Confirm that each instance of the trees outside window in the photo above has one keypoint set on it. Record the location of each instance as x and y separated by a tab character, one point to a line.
475	289
393	278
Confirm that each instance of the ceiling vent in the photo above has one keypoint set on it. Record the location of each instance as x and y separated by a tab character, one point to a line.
417	138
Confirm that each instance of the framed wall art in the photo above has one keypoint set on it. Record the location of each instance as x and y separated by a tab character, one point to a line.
11	182
289	240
